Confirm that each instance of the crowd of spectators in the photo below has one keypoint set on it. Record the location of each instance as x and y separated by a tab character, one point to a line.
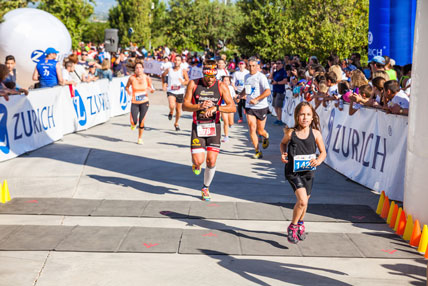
381	84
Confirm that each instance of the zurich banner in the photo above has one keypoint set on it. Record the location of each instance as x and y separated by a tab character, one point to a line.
45	115
369	147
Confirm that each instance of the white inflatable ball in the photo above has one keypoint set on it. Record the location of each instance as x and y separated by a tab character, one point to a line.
26	33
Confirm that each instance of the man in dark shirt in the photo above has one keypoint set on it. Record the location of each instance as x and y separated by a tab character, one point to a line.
279	79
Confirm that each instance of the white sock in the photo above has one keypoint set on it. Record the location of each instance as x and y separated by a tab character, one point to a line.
208	175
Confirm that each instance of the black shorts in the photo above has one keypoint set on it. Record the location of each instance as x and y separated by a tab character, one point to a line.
200	144
260	114
300	180
179	98
141	109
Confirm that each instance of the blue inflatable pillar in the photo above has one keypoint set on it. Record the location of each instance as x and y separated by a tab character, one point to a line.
379	28
402	30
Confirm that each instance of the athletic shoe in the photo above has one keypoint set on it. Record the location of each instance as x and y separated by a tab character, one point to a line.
140	141
301	234
225	139
170	116
292	234
240	121
258	155
265	143
206	194
196	171
177	128
133	127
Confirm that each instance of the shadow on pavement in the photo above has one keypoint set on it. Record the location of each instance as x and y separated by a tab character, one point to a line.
285	272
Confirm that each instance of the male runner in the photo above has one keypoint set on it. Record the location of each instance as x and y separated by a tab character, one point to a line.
203	98
256	90
177	80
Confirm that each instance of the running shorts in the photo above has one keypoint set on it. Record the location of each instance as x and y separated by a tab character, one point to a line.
141	109
260	114
200	144
178	97
279	100
299	180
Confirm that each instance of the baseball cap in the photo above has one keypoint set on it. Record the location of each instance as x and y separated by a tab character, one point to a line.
51	51
350	68
379	60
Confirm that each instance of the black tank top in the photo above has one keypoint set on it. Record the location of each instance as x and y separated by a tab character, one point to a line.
202	93
298	146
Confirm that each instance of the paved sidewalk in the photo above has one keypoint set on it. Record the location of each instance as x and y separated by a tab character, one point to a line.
97	209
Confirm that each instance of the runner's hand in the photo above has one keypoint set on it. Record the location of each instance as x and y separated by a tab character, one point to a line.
284	157
254	101
314	163
207	104
210	111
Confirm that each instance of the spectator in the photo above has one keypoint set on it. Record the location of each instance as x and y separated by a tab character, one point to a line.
79	73
389	68
10	81
378	90
92	73
331	79
380	74
396	100
119	65
360	99
67	73
105	71
279	80
348	71
84	59
344	89
5	91
48	71
358	79
406	79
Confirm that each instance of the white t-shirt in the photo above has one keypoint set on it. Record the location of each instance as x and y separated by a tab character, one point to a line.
66	76
407	88
165	66
255	85
238	79
221	73
332	91
400	98
174	84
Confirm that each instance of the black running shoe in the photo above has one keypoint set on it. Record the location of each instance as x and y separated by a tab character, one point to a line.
170	116
177	128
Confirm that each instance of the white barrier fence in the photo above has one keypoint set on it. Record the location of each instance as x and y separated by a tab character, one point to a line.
45	115
369	147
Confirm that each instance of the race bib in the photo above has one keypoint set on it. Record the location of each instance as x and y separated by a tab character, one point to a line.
206	129
141	96
301	163
175	87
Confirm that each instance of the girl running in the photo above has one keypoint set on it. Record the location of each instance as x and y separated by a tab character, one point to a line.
298	148
140	83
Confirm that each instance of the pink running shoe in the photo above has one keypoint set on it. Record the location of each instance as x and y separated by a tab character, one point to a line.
292	234
301	234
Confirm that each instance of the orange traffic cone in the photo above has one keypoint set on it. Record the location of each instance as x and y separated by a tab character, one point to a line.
416	234
385	208
380	203
401	223
397	221
394	216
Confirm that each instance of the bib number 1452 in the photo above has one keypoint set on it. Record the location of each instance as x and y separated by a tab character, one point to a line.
302	163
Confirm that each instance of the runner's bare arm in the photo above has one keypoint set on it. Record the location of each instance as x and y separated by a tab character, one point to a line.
323	153
230	105
35	74
165	73
187	102
186	78
128	85
284	143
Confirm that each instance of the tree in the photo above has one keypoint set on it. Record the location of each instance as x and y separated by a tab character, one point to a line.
94	32
73	14
158	18
320	27
6	6
263	31
131	14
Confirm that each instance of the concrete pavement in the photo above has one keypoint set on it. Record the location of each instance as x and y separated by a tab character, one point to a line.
140	185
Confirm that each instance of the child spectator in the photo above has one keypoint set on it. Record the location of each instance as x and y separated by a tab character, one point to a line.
378	83
344	90
358	79
397	101
358	100
79	73
5	91
67	72
389	68
10	81
105	71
